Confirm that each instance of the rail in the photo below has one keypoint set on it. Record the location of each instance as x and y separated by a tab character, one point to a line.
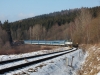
31	61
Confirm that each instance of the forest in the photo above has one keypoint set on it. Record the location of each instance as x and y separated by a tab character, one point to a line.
80	25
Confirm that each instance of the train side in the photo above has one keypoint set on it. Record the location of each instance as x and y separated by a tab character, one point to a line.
55	42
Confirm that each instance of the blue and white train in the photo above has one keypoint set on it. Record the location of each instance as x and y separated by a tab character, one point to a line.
55	42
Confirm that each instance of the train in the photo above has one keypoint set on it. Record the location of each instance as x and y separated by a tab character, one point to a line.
43	42
52	42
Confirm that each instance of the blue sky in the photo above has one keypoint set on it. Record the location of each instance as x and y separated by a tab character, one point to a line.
13	10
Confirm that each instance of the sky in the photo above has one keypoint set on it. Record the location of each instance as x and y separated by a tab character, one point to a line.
13	10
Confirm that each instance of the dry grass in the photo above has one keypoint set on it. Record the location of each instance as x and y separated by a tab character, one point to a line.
24	49
91	65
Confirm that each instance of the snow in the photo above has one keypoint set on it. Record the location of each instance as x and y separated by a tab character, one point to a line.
98	58
9	57
27	60
57	66
98	73
61	65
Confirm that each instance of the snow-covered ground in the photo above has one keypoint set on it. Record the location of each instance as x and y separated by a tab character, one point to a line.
66	64
91	66
15	63
98	73
61	65
10	57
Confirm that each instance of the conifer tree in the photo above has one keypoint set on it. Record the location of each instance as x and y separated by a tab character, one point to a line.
6	26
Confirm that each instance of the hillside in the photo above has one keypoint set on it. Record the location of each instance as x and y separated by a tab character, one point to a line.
63	25
79	25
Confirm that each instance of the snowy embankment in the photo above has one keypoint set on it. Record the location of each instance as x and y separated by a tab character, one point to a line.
91	65
66	64
62	65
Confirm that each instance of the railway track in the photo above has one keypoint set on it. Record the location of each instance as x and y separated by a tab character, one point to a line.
29	57
11	65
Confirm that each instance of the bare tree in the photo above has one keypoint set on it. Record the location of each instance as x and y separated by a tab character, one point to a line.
19	34
86	18
36	32
3	35
82	23
1	43
44	33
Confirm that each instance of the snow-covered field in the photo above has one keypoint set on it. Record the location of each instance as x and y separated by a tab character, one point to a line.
66	64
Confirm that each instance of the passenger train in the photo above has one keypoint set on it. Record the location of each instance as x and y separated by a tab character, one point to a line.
54	42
